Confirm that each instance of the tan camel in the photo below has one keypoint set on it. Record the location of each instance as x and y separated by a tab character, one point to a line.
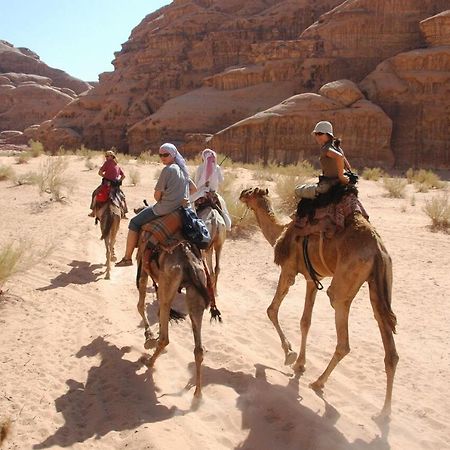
109	216
178	267
4	430
351	257
218	232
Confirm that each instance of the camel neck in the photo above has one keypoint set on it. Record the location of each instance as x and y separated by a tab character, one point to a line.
270	226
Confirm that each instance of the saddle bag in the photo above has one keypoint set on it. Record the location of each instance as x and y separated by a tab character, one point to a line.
103	193
194	229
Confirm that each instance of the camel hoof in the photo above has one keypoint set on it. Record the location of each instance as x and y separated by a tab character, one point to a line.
107	276
114	258
317	386
290	358
150	343
198	393
300	368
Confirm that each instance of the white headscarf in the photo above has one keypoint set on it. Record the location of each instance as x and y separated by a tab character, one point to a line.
207	169
179	160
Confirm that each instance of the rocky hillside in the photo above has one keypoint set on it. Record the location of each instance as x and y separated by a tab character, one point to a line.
31	91
210	67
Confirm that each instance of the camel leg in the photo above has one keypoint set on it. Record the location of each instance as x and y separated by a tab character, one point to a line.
108	258
196	309
305	324
390	353
343	288
286	280
209	264
168	287
218	251
142	286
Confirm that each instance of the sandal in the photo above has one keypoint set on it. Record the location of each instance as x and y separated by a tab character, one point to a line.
124	262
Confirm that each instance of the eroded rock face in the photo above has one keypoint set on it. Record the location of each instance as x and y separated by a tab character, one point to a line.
414	89
31	91
436	29
283	133
195	66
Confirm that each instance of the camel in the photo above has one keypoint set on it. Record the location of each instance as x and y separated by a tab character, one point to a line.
218	232
176	267
352	257
109	216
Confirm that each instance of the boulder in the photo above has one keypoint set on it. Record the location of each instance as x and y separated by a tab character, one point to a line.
436	29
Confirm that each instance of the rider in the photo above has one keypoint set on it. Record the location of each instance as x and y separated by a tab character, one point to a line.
332	162
171	191
112	176
208	178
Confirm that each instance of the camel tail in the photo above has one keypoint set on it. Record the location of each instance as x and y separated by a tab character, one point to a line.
106	222
382	279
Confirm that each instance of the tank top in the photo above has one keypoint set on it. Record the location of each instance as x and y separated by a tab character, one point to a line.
329	165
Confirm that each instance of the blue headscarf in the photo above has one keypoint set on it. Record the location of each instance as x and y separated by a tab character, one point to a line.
179	160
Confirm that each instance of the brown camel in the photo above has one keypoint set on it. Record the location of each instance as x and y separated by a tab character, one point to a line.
109	216
218	232
175	268
351	257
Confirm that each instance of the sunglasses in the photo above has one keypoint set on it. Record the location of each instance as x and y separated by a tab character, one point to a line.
319	134
164	155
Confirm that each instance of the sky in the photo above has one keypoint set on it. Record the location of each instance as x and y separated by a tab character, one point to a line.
77	36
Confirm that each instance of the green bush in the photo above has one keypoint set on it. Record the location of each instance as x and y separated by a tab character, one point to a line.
36	148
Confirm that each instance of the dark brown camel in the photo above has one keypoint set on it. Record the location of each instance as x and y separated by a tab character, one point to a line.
352	257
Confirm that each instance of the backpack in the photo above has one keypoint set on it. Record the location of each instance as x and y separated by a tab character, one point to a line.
194	229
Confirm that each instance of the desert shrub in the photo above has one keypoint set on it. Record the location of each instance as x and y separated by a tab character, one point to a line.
23	158
438	210
26	178
413	200
89	164
84	152
424	180
6	173
373	173
395	187
52	179
285	187
147	158
134	176
36	148
17	257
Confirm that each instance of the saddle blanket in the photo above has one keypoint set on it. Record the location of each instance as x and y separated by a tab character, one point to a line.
161	231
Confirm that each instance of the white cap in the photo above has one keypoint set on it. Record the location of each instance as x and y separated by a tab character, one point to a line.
323	127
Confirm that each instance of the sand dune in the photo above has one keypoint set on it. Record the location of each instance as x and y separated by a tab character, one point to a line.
70	342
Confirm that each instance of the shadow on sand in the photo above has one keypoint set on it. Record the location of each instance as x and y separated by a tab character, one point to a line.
82	272
113	398
275	417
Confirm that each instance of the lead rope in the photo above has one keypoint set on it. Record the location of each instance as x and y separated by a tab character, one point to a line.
312	273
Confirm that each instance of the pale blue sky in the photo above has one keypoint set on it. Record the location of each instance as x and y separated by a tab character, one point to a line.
77	36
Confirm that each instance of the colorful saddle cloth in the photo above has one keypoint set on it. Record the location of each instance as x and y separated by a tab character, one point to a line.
329	218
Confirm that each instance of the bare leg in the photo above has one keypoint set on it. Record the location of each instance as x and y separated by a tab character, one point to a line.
286	280
305	324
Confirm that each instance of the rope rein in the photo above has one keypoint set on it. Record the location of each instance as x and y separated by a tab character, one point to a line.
309	267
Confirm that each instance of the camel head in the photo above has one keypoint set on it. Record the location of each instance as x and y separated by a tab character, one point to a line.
255	197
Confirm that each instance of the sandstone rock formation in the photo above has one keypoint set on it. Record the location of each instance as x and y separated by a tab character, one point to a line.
31	91
200	66
283	133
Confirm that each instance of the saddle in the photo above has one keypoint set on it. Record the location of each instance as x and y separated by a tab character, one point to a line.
210	199
328	212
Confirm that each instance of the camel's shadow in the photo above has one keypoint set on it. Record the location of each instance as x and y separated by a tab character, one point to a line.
113	398
82	272
276	418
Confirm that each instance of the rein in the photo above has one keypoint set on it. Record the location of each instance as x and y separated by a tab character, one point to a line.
309	267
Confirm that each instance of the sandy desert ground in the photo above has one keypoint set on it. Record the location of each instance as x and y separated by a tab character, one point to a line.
71	341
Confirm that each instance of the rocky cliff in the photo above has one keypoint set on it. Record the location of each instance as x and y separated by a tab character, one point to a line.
31	91
201	66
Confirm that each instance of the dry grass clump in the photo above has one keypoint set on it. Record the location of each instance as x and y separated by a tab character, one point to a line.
89	164
52	179
438	210
285	187
36	148
6	173
23	158
372	173
134	176
147	158
424	180
28	178
395	187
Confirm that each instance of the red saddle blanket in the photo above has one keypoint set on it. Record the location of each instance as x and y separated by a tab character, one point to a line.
330	219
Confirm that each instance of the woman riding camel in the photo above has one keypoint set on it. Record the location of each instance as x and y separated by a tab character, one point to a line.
208	178
112	177
332	162
171	191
